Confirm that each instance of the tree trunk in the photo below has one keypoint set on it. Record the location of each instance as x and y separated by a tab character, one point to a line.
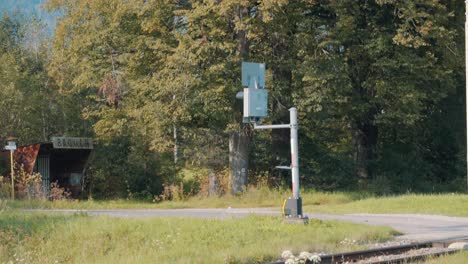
176	146
360	156
239	141
239	160
364	138
213	188
176	141
364	131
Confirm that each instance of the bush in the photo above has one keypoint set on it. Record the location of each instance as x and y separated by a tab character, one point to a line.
28	185
57	193
171	192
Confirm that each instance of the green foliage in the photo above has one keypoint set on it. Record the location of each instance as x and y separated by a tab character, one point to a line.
378	85
373	77
33	107
121	169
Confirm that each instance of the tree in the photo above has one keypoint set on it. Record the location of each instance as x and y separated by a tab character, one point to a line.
201	79
107	52
375	69
28	97
156	80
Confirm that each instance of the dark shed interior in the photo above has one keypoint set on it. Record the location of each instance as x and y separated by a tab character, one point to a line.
64	166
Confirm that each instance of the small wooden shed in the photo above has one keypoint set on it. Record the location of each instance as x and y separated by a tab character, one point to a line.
63	160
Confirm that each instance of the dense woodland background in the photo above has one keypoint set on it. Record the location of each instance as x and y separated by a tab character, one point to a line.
379	86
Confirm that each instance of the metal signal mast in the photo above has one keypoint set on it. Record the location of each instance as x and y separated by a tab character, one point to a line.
255	100
466	88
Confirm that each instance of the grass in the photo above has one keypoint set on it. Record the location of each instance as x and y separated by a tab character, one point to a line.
441	204
34	238
459	258
313	202
15	229
262	197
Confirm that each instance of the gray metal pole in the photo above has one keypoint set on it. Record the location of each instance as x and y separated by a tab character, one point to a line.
294	152
466	88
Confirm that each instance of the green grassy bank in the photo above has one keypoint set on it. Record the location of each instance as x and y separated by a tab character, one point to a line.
441	204
35	238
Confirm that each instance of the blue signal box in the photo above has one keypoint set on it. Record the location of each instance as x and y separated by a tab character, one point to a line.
253	75
254	95
255	102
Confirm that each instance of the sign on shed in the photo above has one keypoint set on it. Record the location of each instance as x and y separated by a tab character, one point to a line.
72	143
11	145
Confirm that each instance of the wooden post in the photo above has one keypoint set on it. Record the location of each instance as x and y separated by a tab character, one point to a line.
12	175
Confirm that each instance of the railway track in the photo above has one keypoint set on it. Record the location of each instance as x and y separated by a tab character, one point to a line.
396	254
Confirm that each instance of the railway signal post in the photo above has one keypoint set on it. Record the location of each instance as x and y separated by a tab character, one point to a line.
255	104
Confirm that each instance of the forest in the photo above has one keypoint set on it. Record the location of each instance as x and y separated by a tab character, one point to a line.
378	84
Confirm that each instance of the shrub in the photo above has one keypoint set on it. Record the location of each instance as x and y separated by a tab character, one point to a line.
28	185
171	192
58	193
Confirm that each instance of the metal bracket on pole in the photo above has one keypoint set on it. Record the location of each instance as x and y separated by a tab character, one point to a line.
271	126
283	167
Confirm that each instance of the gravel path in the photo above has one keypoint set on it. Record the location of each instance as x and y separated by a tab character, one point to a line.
415	227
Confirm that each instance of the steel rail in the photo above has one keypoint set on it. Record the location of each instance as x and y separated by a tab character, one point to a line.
362	255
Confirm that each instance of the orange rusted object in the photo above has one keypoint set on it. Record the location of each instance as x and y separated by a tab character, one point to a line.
26	156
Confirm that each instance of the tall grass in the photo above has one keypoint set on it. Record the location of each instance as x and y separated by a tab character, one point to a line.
459	258
3	205
253	197
17	228
254	239
313	201
443	204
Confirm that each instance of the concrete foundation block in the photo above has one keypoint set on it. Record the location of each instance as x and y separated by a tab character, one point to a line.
459	245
